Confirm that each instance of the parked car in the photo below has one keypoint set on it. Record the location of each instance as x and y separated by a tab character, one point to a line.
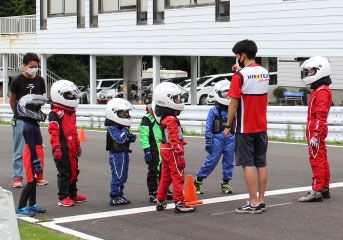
84	97
107	94
205	86
105	83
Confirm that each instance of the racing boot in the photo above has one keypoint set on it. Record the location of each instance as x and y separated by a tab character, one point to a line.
125	200
312	196
115	201
326	193
198	187
152	197
161	205
226	188
183	208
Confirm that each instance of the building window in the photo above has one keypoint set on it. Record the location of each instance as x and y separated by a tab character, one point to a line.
43	14
80	13
117	5
62	7
180	3
223	10
94	12
142	11
158	11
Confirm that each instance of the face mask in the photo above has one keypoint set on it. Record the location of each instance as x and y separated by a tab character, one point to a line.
239	63
31	71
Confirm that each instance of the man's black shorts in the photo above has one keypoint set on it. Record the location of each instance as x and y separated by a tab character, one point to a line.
251	149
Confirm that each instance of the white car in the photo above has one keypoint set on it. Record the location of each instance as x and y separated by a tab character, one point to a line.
111	92
205	86
102	84
273	81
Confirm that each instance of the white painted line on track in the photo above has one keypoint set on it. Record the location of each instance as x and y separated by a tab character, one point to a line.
68	231
29	219
132	211
268	206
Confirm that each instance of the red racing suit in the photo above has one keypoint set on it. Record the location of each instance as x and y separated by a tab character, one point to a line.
173	161
318	111
63	135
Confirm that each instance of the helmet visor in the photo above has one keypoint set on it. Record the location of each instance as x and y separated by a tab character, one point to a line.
123	114
71	95
223	93
178	99
308	72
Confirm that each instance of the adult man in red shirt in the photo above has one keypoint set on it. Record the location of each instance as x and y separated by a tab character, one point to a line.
248	92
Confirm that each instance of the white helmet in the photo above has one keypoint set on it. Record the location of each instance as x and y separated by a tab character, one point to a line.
29	106
220	92
117	110
321	67
168	95
65	92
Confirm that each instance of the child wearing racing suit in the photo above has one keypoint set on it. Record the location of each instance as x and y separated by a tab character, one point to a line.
150	140
64	141
29	108
167	106
216	143
315	72
118	139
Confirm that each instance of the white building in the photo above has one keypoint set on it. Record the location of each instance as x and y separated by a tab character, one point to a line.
133	28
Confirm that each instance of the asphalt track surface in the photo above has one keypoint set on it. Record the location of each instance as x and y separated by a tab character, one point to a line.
285	217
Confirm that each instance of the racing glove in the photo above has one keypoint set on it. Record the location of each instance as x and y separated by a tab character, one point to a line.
78	152
37	166
208	146
57	153
147	156
132	138
314	142
180	161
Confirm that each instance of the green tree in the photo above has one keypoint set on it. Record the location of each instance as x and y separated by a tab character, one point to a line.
70	67
17	7
109	67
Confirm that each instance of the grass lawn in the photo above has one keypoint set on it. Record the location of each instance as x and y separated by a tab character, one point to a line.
29	231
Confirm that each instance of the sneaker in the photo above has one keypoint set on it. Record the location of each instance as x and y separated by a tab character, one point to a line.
36	209
66	202
326	193
42	182
198	187
79	198
312	196
183	208
170	195
25	212
125	200
226	188
17	183
263	207
248	208
117	201
161	205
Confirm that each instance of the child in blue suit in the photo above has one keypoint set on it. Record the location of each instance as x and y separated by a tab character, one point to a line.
217	145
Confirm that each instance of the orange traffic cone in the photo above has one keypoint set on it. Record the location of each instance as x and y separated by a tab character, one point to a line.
82	136
190	194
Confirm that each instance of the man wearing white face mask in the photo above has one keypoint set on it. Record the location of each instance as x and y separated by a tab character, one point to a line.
26	83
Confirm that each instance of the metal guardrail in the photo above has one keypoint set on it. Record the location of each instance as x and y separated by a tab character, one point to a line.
18	25
283	122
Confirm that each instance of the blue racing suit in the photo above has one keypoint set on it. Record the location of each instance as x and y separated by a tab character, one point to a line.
118	143
219	145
